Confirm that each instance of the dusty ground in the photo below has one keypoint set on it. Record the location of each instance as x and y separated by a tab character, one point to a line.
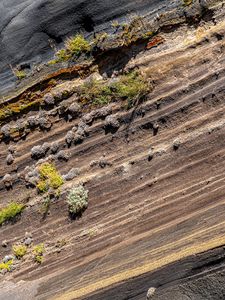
143	214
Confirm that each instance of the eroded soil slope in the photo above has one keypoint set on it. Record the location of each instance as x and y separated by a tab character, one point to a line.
155	178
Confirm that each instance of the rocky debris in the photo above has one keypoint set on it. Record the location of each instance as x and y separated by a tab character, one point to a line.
54	147
112	122
5	130
7	180
9	159
74	172
49	99
62	155
150	293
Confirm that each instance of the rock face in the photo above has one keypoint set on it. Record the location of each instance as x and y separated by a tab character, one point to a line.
29	28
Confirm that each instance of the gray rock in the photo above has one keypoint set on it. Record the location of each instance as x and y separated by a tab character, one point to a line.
32	121
69	137
62	155
74	109
7	258
104	111
9	159
38	152
74	172
49	99
176	144
46	147
112	121
28	241
150	154
7	180
5	130
54	147
44	123
12	149
88	118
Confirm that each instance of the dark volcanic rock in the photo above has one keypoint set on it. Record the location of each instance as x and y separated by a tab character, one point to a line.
28	27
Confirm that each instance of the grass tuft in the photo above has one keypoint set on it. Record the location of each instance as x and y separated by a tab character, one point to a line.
10	212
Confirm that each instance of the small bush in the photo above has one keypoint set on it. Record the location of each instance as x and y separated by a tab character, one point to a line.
19	250
130	87
49	178
74	46
20	74
10	212
77	45
38	252
77	200
6	266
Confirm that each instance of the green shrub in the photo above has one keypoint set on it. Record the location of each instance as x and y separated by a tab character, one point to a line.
20	74
77	45
11	211
49	178
19	250
73	46
77	200
38	252
6	266
130	87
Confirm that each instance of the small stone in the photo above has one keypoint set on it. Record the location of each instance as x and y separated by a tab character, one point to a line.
176	144
69	137
150	293
12	149
54	147
28	241
5	130
49	99
74	109
9	159
7	180
7	258
32	121
150	154
74	172
4	244
62	155
112	121
28	235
